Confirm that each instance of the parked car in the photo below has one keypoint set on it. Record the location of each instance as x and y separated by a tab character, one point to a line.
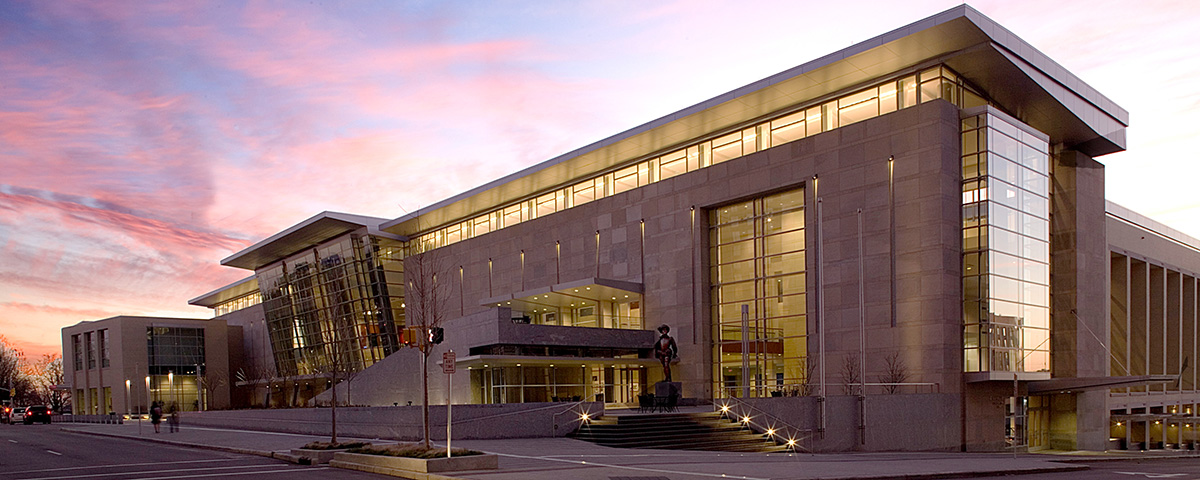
37	413
6	413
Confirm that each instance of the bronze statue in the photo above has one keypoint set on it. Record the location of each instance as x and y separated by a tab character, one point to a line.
665	350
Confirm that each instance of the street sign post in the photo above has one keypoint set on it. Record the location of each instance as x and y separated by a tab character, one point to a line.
448	368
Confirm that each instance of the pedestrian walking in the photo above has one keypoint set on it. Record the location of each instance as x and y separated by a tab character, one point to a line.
174	418
156	415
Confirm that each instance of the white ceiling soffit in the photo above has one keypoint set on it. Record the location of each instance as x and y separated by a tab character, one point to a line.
987	54
229	292
307	234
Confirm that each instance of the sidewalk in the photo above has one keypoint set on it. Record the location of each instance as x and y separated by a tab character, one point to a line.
559	458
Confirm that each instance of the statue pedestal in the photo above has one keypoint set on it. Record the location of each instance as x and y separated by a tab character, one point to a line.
667	389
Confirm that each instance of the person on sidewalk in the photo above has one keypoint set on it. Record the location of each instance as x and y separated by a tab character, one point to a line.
174	418
156	415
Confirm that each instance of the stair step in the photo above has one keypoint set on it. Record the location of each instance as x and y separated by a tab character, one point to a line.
675	431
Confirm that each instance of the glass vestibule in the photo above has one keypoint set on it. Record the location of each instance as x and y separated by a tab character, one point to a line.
1006	246
564	383
757	265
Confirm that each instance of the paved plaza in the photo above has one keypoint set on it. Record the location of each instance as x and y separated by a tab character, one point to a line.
562	458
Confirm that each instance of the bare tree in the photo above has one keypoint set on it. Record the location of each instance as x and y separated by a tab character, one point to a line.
44	375
340	362
895	372
11	378
851	376
808	384
426	298
211	381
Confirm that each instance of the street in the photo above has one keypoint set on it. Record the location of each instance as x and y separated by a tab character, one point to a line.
1167	468
43	452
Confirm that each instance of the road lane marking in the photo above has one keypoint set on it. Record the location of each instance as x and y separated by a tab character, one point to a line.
52	452
628	467
13	441
91	475
63	469
225	475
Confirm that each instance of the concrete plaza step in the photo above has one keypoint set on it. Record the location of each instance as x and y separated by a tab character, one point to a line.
675	431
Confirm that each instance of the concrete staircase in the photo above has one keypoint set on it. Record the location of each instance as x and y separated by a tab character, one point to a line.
675	431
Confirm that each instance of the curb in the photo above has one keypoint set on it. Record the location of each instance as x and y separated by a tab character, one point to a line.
245	451
991	473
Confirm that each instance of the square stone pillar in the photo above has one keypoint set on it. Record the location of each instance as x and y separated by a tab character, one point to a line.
1079	325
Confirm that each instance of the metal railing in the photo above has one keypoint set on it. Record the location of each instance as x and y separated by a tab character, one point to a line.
582	415
796	439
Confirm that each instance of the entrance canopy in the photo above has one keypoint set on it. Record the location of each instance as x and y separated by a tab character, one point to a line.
1096	383
576	294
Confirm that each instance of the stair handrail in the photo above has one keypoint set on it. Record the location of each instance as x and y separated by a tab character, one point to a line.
582	416
779	430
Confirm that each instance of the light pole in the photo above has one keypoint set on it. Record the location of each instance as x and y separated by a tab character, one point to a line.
127	410
171	385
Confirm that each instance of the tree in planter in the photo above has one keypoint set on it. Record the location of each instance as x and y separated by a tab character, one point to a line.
210	381
341	362
895	372
425	299
850	375
808	385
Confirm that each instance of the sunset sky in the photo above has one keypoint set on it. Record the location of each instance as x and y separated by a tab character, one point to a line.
142	143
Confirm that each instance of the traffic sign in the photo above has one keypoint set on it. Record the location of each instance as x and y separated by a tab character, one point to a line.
448	362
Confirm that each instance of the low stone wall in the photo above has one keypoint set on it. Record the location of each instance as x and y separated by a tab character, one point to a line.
902	422
520	420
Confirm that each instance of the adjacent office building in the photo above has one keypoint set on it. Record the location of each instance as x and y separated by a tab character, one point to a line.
123	364
915	224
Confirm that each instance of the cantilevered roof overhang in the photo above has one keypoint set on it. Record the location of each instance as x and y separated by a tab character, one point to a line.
1013	73
578	293
317	229
229	292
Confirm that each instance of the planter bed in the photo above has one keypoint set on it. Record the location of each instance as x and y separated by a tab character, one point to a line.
417	468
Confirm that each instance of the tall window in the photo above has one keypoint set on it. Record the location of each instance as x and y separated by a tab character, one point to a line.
104	348
1006	246
90	343
77	353
757	263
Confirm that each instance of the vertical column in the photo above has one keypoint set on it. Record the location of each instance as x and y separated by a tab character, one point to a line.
1139	308
1157	325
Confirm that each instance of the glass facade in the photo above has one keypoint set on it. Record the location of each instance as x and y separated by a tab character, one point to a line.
1006	246
930	84
176	359
757	262
175	350
520	384
335	306
238	303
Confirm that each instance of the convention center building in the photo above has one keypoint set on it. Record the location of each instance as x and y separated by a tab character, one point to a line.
904	244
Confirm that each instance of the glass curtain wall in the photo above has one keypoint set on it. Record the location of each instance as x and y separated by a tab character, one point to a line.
523	384
176	362
335	307
757	261
1006	249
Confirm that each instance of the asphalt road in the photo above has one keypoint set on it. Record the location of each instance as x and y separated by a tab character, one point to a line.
1165	468
43	452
